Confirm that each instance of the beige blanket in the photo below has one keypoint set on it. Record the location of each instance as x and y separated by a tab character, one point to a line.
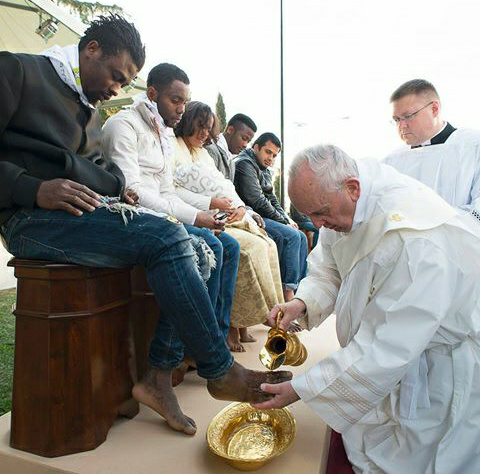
259	285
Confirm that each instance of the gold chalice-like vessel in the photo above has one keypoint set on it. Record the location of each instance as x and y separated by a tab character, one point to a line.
248	437
282	348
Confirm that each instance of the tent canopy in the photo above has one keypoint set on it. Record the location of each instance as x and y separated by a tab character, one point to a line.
19	20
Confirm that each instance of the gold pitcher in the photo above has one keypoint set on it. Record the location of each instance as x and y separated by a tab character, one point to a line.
282	348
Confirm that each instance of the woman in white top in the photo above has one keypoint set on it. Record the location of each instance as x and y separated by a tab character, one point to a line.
259	285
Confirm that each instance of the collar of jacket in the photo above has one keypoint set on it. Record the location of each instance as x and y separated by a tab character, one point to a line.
253	157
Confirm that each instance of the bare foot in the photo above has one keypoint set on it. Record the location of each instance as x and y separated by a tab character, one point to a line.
233	340
288	294
243	385
155	391
178	374
245	336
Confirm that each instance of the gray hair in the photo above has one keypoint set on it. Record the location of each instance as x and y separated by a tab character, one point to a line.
331	165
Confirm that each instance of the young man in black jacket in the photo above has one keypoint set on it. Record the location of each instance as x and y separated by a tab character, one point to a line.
53	206
253	182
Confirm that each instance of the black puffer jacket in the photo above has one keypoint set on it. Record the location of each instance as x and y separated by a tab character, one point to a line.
254	186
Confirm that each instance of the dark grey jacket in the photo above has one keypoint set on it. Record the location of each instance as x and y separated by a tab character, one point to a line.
253	184
222	160
46	133
298	217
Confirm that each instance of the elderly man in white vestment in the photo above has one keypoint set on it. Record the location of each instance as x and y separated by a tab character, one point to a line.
442	157
401	270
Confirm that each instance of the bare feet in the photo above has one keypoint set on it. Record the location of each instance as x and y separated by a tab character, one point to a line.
155	391
233	340
243	385
245	336
288	294
178	374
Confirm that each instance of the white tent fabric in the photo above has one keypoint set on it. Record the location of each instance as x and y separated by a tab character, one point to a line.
20	18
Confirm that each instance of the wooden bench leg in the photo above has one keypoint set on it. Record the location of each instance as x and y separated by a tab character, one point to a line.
145	314
74	363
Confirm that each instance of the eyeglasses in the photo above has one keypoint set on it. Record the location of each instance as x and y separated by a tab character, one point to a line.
407	118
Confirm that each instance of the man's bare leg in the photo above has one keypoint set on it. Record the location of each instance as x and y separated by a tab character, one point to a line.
243	385
178	374
288	294
233	340
245	336
155	391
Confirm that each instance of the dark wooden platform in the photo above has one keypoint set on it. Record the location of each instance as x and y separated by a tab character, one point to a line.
75	356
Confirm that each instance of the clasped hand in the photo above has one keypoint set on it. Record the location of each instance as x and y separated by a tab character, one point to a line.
75	198
236	215
207	219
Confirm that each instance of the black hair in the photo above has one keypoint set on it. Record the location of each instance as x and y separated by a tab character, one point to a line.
194	110
416	87
164	74
114	34
242	118
267	137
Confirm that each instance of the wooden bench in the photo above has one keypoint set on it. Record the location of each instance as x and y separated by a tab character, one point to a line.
81	342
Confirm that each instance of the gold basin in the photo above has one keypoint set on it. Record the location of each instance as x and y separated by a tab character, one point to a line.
247	437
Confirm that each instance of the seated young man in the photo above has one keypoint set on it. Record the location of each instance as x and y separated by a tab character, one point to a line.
235	138
53	179
139	141
253	182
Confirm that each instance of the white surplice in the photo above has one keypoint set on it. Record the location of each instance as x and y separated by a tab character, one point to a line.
452	168
404	390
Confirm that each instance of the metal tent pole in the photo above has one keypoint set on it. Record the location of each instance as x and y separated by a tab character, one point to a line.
282	137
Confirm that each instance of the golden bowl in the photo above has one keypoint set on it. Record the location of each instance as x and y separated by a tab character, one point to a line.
247	437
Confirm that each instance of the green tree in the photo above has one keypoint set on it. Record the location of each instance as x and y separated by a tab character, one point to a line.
107	112
220	112
87	11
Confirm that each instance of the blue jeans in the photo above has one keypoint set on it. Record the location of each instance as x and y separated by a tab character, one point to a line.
292	251
221	284
101	239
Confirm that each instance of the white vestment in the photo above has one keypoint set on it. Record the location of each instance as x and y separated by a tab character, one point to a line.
452	168
404	390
